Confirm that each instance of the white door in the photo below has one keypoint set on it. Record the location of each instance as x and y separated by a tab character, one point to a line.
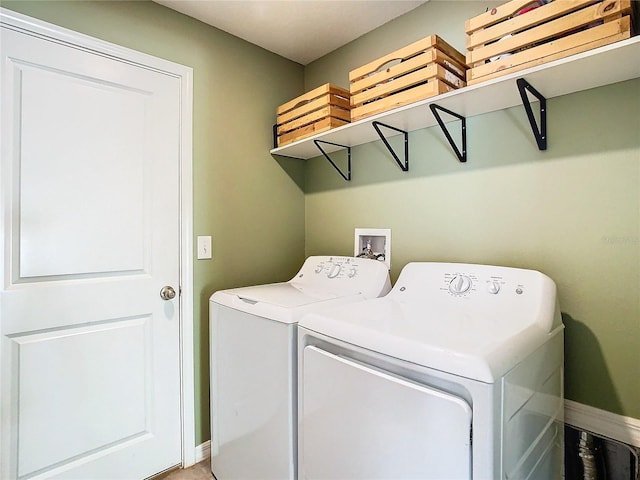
359	423
90	372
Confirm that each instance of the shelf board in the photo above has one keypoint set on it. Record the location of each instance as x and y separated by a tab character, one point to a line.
602	66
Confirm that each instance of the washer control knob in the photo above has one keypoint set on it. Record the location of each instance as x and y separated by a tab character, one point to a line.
335	271
352	272
493	287
318	268
460	284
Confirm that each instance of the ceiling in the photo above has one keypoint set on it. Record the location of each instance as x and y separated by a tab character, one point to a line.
300	30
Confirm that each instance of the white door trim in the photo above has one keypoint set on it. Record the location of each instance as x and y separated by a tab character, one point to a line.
55	33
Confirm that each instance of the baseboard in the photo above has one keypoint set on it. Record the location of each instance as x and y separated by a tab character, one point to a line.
203	451
601	422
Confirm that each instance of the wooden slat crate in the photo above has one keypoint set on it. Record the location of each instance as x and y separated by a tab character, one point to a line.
423	69
316	111
502	41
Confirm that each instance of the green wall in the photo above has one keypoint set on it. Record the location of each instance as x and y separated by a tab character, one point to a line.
572	212
252	205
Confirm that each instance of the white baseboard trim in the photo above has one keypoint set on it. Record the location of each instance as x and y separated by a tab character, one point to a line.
601	422
203	451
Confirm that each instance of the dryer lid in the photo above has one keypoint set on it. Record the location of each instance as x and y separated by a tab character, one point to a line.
478	334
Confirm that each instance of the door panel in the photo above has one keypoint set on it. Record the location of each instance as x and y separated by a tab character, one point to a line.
358	423
53	406
90	370
86	182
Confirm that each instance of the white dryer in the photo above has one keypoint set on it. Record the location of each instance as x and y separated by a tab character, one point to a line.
253	362
456	374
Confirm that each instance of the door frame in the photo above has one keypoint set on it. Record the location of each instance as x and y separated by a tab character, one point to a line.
48	31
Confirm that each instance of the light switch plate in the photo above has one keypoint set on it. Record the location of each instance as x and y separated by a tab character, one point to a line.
205	249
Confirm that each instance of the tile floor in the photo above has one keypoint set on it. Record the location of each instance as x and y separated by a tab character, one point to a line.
200	471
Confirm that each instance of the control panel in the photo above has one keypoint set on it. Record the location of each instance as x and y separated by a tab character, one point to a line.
342	275
460	294
430	281
463	283
337	267
466	283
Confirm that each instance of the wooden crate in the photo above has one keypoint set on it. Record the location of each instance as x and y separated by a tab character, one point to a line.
316	111
423	69
502	41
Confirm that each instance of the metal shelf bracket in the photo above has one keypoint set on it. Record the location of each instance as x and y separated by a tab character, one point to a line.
403	165
539	133
462	155
347	177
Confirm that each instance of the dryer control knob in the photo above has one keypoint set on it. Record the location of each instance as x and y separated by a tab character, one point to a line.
493	287
460	284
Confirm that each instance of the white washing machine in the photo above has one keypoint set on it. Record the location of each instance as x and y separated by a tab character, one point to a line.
254	362
455	374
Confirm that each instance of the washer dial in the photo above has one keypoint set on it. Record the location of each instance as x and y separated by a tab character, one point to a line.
336	268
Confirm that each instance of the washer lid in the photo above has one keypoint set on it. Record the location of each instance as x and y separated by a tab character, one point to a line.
476	334
284	302
322	281
285	295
